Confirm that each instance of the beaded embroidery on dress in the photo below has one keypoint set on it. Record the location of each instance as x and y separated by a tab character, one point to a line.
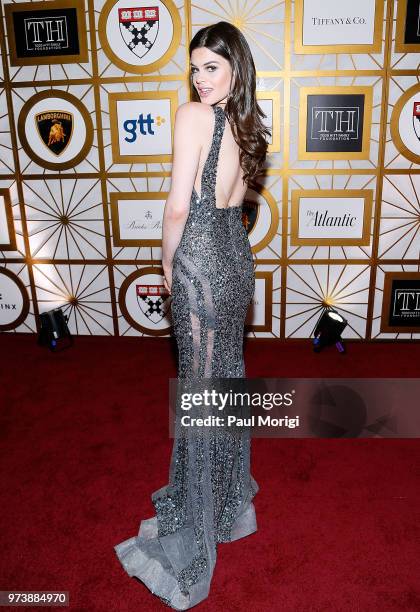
209	496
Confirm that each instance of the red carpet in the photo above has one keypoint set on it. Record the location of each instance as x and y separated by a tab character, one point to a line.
84	443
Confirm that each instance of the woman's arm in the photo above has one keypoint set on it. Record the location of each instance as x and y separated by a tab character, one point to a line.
186	155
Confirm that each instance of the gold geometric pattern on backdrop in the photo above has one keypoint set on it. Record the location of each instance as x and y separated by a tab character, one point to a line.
6	153
65	219
65	252
400	219
309	288
19	253
83	293
261	22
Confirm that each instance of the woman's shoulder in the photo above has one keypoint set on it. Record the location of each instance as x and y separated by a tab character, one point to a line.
194	111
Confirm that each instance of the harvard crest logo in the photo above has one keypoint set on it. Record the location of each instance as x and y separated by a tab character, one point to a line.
416	118
55	129
153	301
139	28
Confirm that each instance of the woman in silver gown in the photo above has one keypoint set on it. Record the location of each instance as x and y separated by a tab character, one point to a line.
209	272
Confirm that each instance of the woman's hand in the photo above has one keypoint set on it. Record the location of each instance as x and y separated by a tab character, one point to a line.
167	279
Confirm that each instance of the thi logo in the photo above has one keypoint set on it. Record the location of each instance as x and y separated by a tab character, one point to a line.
407	302
335	123
45	32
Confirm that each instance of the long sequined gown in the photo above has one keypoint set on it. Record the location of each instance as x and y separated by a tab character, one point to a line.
209	496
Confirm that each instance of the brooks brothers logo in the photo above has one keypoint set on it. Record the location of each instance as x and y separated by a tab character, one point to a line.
38	30
137	218
55	129
139	28
146	224
144	301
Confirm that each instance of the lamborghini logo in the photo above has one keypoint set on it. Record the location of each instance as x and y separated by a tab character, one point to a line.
55	129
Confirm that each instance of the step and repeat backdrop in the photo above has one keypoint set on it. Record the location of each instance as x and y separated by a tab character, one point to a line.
88	94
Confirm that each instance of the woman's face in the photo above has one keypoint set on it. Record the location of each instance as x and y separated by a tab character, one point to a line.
211	75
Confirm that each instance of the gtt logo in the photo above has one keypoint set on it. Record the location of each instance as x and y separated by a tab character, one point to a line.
141	126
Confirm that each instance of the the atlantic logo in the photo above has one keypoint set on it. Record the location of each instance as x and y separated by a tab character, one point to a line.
331	217
324	219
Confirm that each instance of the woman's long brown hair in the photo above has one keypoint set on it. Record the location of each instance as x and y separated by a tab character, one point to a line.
241	109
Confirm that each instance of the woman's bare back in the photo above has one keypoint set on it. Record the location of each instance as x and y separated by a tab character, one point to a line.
230	189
